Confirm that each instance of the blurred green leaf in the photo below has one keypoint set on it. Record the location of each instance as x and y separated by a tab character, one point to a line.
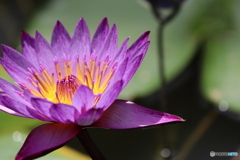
221	70
221	67
210	18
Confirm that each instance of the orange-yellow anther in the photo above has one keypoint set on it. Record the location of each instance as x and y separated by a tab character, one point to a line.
60	87
66	89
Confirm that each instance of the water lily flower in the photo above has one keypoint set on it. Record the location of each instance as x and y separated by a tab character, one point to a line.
73	83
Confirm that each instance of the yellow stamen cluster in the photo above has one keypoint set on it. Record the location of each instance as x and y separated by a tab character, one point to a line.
60	88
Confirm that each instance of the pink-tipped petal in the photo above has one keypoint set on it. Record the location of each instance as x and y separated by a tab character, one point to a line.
127	115
100	36
28	47
83	99
63	113
89	117
45	139
80	44
60	40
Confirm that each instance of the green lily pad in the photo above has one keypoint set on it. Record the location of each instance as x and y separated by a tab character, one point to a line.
132	20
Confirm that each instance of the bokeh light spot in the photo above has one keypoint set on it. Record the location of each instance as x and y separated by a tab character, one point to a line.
165	153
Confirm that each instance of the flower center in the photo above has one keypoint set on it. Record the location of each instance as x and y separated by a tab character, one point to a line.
61	85
66	89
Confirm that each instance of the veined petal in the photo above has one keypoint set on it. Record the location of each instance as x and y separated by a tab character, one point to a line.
10	111
28	47
43	106
110	95
83	99
13	56
63	113
21	108
17	73
100	36
60	40
131	69
12	91
141	51
120	72
138	43
122	52
80	44
133	64
111	44
44	53
45	139
89	117
127	115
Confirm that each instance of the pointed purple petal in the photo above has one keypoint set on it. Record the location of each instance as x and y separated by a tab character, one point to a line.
122	51
134	64
111	44
83	99
44	53
60	40
21	108
45	139
131	69
43	106
89	117
138	43
141	51
81	40
126	115
17	73
120	72
12	91
28	48
100	36
110	95
63	113
15	57
12	112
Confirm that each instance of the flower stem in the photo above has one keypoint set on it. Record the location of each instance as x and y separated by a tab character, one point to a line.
162	94
89	145
163	99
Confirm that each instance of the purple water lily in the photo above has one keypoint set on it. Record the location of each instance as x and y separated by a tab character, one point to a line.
73	83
